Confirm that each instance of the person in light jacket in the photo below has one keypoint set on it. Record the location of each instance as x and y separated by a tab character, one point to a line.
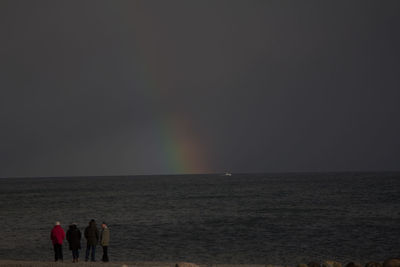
105	241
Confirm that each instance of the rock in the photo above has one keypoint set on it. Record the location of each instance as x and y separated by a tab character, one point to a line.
373	264
352	264
332	264
186	264
302	265
392	263
313	264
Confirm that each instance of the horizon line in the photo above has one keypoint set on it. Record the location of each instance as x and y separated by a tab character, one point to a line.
197	174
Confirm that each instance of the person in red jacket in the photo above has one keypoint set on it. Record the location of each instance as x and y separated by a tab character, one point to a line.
57	236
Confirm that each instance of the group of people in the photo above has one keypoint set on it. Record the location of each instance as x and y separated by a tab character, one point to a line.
92	235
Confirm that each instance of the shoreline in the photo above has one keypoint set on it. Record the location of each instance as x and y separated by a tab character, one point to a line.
393	262
27	263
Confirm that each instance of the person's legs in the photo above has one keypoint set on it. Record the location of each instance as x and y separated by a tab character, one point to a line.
60	252
87	252
55	252
93	258
105	253
75	254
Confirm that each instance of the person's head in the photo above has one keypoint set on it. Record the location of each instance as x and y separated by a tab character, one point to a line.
104	225
92	222
57	223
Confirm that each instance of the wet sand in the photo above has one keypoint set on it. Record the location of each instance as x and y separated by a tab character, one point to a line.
393	262
15	263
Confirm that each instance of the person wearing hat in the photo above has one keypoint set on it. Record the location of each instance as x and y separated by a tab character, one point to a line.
105	241
57	236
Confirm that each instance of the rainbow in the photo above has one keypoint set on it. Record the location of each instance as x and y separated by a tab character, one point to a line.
182	151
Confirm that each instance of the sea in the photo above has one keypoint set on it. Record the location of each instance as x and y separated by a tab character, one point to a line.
275	218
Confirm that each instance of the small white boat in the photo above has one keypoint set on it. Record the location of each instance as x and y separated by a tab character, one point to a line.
227	174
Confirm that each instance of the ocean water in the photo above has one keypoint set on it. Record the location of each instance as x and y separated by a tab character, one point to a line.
246	218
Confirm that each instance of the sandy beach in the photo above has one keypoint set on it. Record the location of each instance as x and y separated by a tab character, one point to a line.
14	263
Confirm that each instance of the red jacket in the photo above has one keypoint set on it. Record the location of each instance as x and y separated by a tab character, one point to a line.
57	235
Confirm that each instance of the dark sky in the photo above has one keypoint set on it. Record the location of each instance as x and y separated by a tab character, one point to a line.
161	87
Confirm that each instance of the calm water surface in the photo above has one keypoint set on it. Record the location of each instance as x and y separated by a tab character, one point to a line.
248	218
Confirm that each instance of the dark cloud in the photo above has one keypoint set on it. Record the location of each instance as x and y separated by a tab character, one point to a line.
132	87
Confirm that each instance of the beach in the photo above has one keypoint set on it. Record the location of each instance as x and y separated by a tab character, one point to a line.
15	263
12	263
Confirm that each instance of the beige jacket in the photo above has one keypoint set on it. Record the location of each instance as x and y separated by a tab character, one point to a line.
105	237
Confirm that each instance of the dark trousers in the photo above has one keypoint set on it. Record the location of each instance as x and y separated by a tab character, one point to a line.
58	253
75	254
93	255
105	254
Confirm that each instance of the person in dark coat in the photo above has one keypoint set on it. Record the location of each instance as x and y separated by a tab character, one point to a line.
92	237
74	240
57	236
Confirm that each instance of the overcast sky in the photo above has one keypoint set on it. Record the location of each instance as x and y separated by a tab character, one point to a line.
163	87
